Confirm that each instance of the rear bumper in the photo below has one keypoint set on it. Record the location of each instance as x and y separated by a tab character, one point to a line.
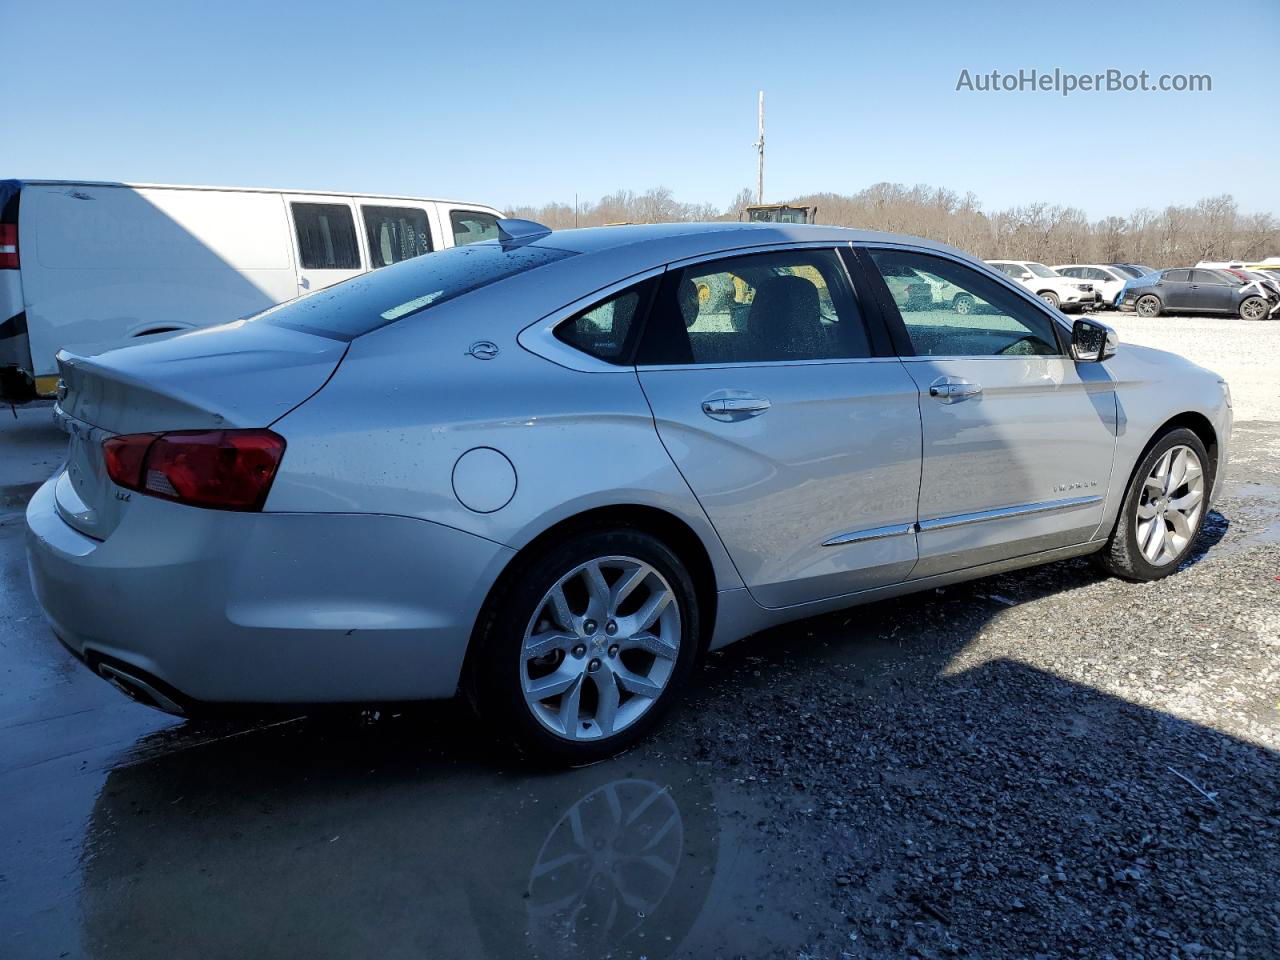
265	608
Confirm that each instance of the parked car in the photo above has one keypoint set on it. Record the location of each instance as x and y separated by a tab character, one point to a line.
1135	270
1194	290
1268	285
1053	289
84	262
532	469
1108	281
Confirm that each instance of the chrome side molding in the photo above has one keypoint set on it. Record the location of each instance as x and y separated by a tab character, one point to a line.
959	520
875	533
1001	513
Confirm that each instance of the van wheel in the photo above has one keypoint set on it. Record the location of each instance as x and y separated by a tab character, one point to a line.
583	652
1163	509
1051	298
1148	306
1253	308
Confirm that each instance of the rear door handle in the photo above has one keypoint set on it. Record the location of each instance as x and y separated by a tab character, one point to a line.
735	408
953	389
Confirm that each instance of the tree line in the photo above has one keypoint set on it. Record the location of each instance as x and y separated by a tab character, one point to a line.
1211	229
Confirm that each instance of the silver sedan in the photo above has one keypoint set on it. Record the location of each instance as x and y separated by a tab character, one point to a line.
552	469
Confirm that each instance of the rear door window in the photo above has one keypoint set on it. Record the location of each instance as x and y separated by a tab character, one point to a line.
326	236
761	308
472	226
395	234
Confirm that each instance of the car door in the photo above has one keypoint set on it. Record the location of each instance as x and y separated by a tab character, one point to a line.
1175	290
326	241
1211	291
1017	440
794	426
1110	282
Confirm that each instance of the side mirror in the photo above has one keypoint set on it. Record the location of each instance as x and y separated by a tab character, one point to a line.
1092	342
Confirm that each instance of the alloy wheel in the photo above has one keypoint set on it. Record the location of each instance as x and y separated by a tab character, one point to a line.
1253	309
600	648
1148	306
1170	505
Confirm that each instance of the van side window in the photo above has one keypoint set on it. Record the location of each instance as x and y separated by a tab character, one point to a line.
326	236
472	226
395	234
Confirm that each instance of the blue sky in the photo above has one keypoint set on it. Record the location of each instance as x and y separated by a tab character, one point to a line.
526	102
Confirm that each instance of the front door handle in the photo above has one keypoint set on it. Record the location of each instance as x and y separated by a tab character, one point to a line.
953	389
735	408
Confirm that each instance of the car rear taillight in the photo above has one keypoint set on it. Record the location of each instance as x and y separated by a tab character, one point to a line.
8	246
222	469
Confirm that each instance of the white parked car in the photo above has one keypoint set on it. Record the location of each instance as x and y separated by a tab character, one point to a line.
1108	282
1052	288
542	471
84	262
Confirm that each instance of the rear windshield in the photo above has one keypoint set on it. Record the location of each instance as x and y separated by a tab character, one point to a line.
355	307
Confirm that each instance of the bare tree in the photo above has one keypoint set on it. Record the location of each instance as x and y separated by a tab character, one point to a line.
1213	228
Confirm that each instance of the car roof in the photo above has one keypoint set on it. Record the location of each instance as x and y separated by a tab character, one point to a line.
694	239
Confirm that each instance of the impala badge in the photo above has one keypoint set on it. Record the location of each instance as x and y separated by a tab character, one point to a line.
1077	485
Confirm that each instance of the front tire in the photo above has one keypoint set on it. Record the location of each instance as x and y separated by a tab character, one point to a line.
1163	509
1148	306
1254	308
582	653
1051	298
963	304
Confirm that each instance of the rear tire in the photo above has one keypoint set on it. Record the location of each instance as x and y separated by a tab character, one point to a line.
1254	308
618	681
1152	535
963	304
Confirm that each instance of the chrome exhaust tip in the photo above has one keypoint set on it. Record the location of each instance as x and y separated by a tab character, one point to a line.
136	688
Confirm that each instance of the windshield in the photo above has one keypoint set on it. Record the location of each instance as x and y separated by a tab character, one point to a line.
1131	271
357	306
1040	270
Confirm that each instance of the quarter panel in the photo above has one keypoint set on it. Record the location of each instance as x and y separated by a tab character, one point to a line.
408	401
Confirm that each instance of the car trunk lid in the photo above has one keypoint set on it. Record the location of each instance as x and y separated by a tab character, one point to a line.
234	376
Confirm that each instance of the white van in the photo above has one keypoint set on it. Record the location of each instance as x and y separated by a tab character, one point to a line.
84	262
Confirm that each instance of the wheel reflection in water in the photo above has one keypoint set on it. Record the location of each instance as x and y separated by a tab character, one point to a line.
605	866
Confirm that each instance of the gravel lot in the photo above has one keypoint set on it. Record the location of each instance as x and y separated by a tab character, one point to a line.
1247	354
1043	764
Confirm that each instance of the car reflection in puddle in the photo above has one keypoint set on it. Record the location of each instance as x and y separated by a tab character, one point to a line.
605	868
293	842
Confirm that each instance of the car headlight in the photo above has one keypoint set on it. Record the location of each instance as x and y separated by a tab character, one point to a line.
1226	392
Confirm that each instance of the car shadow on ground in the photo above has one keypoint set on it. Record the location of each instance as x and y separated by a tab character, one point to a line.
837	786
